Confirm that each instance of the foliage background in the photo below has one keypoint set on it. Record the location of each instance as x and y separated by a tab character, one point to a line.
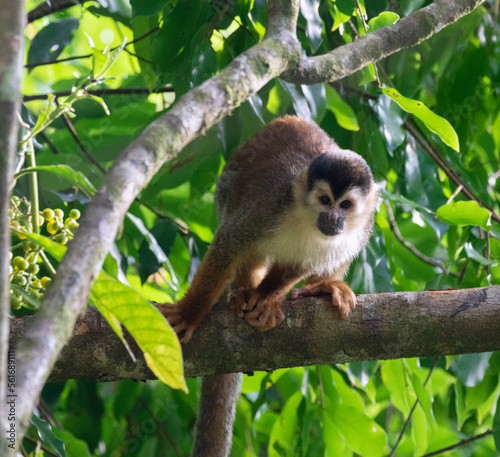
345	410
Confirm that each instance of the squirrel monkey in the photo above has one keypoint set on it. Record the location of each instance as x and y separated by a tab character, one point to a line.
292	205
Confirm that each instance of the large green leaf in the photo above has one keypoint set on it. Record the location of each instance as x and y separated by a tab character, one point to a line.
121	304
342	111
47	435
383	19
464	213
64	171
433	122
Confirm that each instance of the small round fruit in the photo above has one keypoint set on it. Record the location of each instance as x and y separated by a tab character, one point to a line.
16	301
15	225
23	229
20	263
72	225
46	282
27	245
61	239
48	214
53	227
20	280
15	200
59	213
41	220
75	214
33	268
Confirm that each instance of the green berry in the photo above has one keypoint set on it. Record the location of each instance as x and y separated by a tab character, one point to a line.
33	269
61	239
46	282
48	214
75	214
59	213
15	301
20	263
20	280
15	200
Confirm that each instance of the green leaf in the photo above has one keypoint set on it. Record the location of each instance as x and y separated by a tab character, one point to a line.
309	9
394	379
281	439
141	8
147	326
74	446
52	39
496	427
354	424
65	172
464	213
419	430
47	436
471	368
433	122
102	61
383	19
342	111
56	250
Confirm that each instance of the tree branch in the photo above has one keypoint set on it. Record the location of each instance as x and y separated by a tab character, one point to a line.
383	326
46	8
11	58
374	46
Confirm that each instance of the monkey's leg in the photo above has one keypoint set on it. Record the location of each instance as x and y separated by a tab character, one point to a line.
206	287
342	295
214	427
247	279
264	303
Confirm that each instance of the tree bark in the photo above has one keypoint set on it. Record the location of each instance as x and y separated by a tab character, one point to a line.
192	115
11	58
382	326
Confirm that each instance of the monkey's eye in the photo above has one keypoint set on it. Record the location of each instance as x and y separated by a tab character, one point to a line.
345	204
325	200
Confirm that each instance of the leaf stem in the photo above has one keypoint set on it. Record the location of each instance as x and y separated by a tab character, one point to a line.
33	186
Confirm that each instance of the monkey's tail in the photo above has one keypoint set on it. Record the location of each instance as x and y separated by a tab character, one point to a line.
214	427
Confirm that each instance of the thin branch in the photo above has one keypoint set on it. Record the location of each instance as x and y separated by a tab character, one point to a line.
374	46
101	92
46	8
410	247
86	56
417	401
460	444
69	125
452	175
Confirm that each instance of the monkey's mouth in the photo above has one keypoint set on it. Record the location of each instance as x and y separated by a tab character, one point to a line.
330	230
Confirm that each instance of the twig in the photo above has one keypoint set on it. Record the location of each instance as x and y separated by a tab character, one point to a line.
74	135
100	92
409	246
459	444
417	401
447	169
46	8
86	56
454	194
365	26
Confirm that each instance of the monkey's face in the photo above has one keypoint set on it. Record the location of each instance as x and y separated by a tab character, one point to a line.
340	191
336	215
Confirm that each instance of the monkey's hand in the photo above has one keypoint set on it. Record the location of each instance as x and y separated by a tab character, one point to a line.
342	295
179	320
261	312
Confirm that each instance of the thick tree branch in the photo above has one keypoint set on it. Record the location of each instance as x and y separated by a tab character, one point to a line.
192	114
372	47
12	23
383	326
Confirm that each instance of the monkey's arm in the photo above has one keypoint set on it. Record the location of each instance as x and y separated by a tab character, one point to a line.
206	287
342	295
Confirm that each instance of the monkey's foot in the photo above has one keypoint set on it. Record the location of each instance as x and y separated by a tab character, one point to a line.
263	313
342	295
173	313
